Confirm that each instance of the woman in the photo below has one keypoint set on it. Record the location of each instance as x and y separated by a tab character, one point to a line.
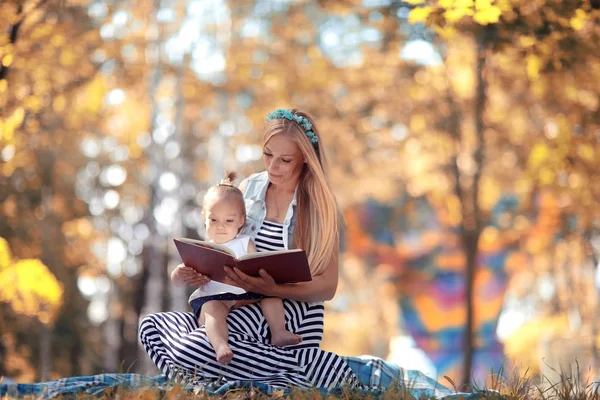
290	205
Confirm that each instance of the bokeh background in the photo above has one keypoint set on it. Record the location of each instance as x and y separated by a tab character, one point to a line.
464	140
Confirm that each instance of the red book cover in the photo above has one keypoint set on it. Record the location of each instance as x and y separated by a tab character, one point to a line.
285	266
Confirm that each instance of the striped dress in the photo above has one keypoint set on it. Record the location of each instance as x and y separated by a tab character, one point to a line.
180	348
269	237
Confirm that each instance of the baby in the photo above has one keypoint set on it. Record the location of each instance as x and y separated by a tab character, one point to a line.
224	214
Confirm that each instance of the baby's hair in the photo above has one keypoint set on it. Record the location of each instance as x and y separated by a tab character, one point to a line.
225	190
229	179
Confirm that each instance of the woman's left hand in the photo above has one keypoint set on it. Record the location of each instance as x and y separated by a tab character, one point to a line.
263	284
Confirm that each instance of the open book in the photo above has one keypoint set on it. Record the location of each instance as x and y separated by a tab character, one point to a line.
285	266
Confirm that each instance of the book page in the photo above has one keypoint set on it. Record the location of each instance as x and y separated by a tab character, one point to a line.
266	253
210	245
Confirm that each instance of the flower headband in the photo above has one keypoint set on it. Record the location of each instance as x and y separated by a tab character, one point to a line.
282	113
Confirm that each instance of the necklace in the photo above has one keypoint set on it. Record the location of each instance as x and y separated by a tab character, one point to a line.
277	209
274	196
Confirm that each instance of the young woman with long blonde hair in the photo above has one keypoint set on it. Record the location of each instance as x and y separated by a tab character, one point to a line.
289	205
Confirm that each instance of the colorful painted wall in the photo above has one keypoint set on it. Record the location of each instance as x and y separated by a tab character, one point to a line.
418	245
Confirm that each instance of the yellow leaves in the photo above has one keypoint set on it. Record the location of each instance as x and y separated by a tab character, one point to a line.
526	41
94	95
446	3
490	192
417	123
534	64
59	103
3	85
5	49
586	152
461	3
10	124
483	12
588	99
81	228
456	14
546	176
489	238
504	5
57	40
419	14
33	103
578	20
41	30
463	81
28	286
446	33
415	2
7	60
538	156
67	57
486	13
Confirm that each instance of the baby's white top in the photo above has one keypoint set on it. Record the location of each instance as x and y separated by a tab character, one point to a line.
239	245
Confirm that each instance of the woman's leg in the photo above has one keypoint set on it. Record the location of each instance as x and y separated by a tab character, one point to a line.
180	348
165	337
214	317
272	309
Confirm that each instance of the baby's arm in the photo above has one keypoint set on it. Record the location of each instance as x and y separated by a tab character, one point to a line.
183	274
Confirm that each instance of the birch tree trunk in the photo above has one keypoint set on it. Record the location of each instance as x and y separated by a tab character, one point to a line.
153	267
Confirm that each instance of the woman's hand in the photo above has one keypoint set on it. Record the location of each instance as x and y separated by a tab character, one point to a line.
186	275
263	284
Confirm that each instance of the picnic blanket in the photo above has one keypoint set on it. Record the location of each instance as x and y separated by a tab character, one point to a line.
373	372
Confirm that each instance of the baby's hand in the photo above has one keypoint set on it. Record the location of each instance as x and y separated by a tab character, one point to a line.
186	275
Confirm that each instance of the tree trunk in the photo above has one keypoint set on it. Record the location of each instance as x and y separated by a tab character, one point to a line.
588	236
112	332
14	31
178	298
471	223
45	332
45	351
153	260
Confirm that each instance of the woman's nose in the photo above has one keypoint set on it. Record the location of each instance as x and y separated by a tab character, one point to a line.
274	166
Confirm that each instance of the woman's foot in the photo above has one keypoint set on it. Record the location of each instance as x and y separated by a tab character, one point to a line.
285	338
224	353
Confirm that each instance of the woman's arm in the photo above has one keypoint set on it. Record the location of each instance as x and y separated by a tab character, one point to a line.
321	288
251	247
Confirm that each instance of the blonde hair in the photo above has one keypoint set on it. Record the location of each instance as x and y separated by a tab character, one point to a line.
225	190
317	217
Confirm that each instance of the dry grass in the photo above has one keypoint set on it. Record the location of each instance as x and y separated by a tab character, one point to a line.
506	386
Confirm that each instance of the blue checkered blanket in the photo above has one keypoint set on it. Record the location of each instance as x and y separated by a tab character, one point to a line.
372	372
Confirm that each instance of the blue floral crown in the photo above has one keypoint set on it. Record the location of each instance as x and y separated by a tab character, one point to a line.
282	113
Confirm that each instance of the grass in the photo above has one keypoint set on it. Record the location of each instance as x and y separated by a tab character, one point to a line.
506	386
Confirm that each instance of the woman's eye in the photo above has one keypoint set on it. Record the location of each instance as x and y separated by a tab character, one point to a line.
267	154
286	161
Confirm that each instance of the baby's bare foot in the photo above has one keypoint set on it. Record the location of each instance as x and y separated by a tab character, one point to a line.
224	353
285	338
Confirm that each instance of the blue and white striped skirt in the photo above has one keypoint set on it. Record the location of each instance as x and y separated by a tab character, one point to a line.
180	349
